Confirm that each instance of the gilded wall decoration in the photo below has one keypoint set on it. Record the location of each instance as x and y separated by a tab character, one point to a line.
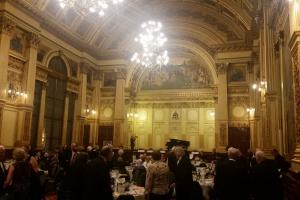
237	74
16	64
15	79
189	75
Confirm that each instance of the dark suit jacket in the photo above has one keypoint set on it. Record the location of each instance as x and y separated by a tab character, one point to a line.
265	181
97	184
184	179
231	180
3	174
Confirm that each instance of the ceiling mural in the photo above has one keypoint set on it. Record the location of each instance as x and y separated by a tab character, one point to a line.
188	75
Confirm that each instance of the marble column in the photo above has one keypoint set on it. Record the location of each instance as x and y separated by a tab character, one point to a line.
119	117
222	108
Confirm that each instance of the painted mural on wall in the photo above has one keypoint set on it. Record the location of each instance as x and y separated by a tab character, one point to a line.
188	75
237	74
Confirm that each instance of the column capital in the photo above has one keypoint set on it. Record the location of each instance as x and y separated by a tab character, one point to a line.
7	25
33	40
121	73
222	68
84	67
98	75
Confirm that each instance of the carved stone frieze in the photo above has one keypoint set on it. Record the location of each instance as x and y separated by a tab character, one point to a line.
16	64
73	87
41	75
239	100
238	90
238	124
7	25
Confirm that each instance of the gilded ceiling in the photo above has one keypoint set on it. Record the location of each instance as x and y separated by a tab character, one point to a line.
189	24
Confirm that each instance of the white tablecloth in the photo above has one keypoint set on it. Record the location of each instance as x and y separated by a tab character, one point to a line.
137	192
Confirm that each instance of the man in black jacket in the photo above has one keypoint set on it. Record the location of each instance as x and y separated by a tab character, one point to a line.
183	175
97	177
265	179
231	178
3	171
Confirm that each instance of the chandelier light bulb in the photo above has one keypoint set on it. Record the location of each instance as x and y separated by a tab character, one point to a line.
151	40
84	7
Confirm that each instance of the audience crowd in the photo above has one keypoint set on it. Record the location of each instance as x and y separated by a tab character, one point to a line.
78	173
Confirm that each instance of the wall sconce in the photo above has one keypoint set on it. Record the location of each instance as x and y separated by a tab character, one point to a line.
13	92
132	115
261	86
90	111
250	111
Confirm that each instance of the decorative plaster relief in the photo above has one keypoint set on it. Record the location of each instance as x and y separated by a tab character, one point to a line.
16	64
108	112
238	111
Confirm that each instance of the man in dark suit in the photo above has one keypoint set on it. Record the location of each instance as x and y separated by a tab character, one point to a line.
231	180
265	179
3	171
97	184
183	175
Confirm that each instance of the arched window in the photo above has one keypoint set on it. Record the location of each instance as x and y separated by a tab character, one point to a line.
55	102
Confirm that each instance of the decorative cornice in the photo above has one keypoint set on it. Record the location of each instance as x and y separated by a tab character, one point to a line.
7	25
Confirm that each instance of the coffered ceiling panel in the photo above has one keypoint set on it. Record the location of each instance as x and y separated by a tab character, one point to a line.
208	23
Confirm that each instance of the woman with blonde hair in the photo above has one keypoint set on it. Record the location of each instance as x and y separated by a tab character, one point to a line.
18	177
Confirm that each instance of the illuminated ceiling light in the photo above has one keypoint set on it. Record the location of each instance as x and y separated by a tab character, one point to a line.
84	7
151	40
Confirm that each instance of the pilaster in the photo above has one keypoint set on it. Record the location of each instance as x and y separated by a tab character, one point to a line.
222	108
119	121
7	26
41	122
65	120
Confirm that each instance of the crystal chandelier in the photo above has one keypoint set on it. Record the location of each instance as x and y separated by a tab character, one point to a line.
152	40
84	7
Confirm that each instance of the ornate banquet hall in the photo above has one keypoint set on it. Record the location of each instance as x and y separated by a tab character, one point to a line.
141	74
